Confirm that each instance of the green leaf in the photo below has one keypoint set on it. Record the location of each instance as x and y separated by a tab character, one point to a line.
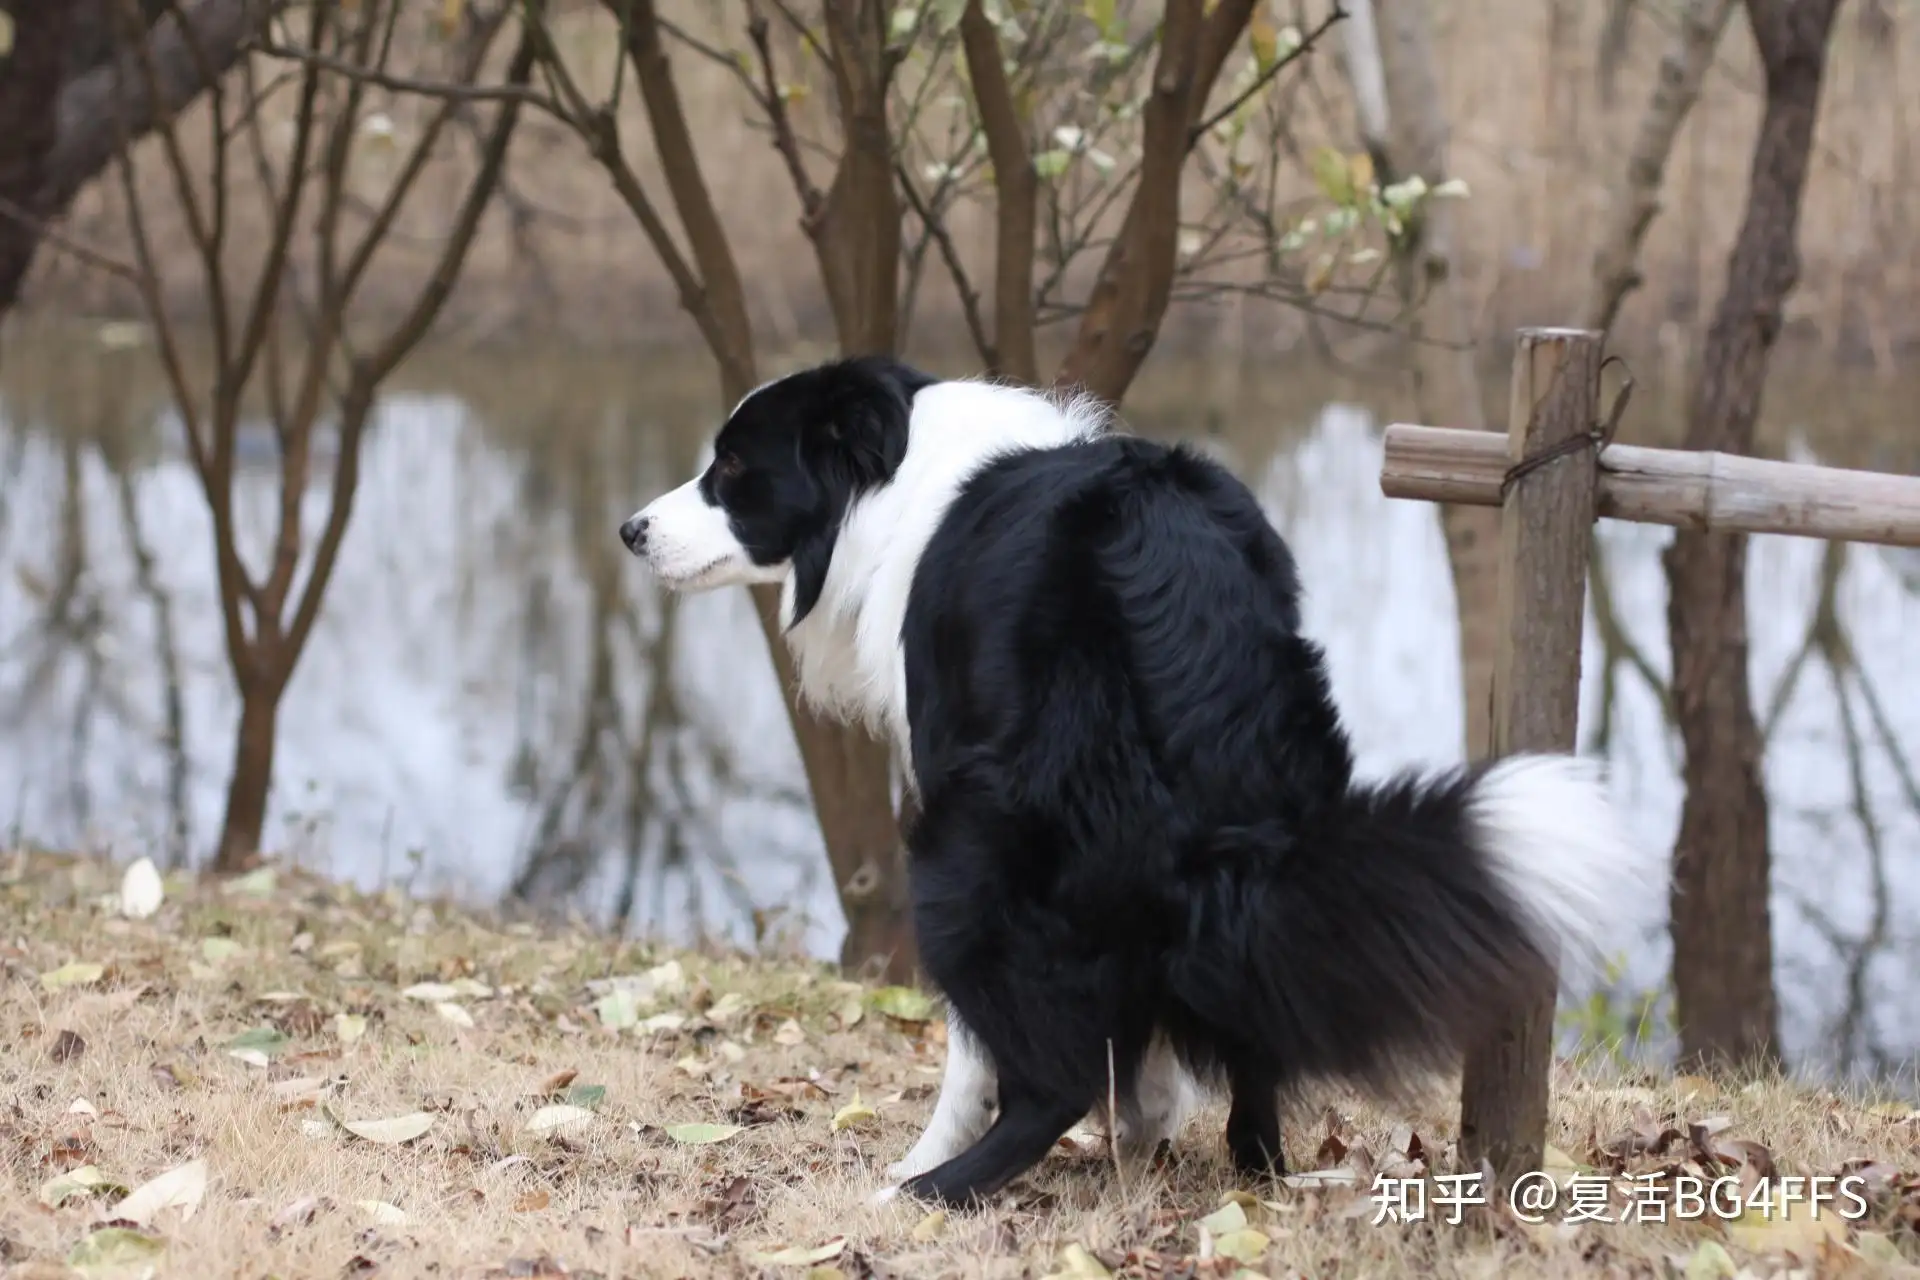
268	1041
78	973
112	1248
1051	164
904	1003
1104	14
86	1180
585	1095
1230	1216
1244	1246
216	950
701	1135
1333	174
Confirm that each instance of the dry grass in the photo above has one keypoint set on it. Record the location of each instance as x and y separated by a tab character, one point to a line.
1531	133
132	1072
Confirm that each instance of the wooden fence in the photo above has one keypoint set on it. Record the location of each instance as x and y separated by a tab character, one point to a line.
1552	474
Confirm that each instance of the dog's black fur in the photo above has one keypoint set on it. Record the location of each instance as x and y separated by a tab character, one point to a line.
1138	813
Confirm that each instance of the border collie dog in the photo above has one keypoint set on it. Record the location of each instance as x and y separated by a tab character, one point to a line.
1142	857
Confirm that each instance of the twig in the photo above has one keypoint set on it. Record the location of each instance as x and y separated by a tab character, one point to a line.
1265	78
524	95
969	296
812	203
47	232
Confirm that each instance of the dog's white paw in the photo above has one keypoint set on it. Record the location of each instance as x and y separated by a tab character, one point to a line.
884	1196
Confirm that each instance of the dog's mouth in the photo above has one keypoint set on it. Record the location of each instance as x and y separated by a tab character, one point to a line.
679	581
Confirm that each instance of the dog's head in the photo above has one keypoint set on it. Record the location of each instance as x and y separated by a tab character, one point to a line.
790	460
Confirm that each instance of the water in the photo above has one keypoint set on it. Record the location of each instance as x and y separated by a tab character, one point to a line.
479	695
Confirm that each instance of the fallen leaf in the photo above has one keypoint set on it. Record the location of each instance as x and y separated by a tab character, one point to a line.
348	1027
297	1213
258	1044
1781	1226
790	1034
387	1215
299	1087
81	1107
430	991
394	1129
258	883
558	1116
141	892
1559	1166
585	1095
700	1135
67	1046
931	1227
454	1013
179	1188
1244	1246
219	950
77	973
554	1083
533	1201
727	1008
619	1010
800	1255
850	1013
1228	1217
903	1003
854	1114
1075	1263
1878	1247
86	1180
112	1248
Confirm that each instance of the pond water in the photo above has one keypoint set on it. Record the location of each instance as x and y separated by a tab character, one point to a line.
496	702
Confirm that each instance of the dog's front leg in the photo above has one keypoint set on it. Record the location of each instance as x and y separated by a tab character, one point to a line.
963	1110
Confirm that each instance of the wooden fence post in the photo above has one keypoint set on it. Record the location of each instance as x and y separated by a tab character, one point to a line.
1545	523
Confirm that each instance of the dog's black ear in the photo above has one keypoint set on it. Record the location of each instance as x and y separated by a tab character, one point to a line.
810	561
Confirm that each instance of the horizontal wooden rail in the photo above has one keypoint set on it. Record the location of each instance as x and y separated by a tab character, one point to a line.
1721	492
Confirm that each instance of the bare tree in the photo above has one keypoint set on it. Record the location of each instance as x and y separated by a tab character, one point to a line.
1636	200
1395	72
1725	1000
894	161
296	348
63	111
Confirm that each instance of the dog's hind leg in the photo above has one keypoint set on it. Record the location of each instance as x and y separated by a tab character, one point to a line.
1253	1124
1155	1109
963	1110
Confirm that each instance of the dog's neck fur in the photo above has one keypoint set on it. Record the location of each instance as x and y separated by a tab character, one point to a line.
847	651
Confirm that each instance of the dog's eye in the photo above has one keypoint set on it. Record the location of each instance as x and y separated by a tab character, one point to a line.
727	465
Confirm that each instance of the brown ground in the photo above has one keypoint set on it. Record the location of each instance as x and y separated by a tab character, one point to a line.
235	1035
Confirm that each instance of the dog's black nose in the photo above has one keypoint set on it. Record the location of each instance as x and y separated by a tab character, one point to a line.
634	534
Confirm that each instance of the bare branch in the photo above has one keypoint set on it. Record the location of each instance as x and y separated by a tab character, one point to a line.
775	104
936	229
1016	188
66	244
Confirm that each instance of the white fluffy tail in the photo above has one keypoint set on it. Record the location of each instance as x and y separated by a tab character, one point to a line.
1550	834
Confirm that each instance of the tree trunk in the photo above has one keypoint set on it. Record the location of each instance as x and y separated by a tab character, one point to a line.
1722	922
30	75
1446	386
252	778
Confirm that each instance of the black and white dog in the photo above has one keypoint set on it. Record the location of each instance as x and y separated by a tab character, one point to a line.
1141	848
